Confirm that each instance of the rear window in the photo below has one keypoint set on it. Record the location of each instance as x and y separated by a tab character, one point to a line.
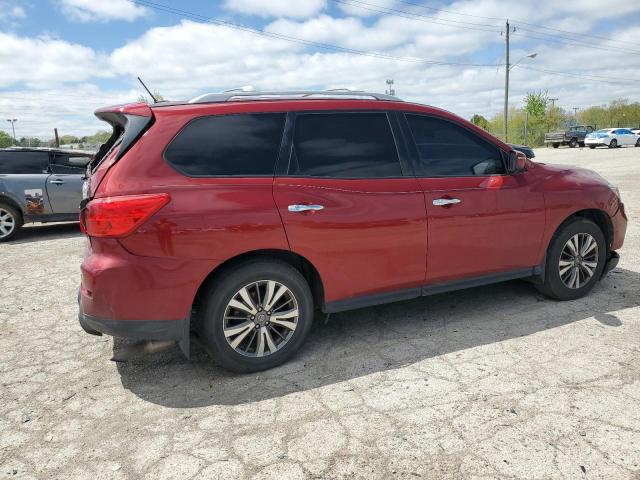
23	163
228	145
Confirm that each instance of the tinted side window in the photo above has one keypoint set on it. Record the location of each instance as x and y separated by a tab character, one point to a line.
224	145
448	149
64	163
23	162
344	145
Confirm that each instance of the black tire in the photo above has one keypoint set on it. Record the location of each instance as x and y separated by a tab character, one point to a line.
573	143
556	145
17	222
613	143
581	144
592	147
553	286
638	143
220	292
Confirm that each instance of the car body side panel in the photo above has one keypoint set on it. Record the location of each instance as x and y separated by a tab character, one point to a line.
565	190
370	237
28	191
65	192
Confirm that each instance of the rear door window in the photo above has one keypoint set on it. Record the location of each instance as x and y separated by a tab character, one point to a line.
450	150
64	163
344	145
228	145
23	163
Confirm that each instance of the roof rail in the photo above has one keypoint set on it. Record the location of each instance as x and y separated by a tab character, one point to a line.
239	96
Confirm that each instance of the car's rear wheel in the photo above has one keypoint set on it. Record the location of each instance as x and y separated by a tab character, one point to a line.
573	143
556	145
613	144
10	222
575	260
257	315
638	143
592	147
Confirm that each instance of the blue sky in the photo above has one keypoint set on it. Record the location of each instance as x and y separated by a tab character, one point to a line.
61	59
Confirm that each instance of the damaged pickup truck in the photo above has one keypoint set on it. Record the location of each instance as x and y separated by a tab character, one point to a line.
39	185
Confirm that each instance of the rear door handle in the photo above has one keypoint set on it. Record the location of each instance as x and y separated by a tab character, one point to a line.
57	182
443	202
299	208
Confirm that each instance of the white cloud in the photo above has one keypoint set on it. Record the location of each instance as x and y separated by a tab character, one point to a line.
188	58
371	9
10	12
43	61
277	8
102	10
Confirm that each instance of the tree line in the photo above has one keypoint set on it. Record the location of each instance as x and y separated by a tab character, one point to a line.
541	115
86	141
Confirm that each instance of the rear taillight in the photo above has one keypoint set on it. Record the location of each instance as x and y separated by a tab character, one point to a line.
120	216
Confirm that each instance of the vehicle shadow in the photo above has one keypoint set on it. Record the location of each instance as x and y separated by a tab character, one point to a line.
47	231
362	342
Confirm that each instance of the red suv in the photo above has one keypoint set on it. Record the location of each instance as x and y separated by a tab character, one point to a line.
234	216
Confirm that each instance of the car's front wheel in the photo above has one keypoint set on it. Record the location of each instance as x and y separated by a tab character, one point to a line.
10	222
592	147
573	143
257	315
638	143
613	144
575	260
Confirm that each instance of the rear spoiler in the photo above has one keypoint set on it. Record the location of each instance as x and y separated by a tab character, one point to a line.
128	122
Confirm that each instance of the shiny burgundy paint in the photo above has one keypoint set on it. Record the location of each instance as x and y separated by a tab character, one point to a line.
373	236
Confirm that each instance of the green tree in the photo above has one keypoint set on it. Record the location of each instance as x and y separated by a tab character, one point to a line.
480	121
6	140
536	103
145	99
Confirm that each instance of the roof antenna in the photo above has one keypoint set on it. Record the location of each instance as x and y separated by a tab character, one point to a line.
148	91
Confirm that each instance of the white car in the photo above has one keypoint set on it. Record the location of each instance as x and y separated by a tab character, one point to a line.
612	138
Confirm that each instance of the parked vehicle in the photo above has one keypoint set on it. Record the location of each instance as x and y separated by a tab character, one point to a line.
635	131
573	136
528	151
612	138
234	216
39	185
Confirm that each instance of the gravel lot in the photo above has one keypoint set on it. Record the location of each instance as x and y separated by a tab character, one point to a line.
492	382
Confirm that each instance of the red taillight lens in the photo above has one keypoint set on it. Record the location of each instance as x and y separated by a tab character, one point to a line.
120	216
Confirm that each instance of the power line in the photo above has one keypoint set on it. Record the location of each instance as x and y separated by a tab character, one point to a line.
569	41
416	16
289	38
596	78
521	22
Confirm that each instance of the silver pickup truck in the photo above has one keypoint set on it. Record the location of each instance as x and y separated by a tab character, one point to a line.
39	185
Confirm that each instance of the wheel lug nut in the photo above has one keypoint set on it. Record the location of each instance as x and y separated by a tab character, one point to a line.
257	327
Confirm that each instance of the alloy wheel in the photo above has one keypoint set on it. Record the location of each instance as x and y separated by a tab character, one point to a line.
260	318
7	223
578	260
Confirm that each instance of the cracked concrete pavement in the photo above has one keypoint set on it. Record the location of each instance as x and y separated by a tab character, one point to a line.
491	382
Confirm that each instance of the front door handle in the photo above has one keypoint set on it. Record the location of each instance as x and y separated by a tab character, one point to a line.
57	182
299	208
443	202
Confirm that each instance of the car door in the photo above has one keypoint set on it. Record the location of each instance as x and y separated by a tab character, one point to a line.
350	207
625	137
480	220
23	175
64	186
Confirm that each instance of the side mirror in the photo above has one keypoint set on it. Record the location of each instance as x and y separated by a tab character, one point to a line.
517	161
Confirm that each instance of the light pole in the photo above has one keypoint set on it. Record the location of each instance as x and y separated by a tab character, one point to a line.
507	69
390	90
12	121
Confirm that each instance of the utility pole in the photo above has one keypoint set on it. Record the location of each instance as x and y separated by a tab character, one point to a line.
12	121
506	82
553	102
390	90
575	111
55	132
526	125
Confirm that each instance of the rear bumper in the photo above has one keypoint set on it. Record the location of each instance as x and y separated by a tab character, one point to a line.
152	330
